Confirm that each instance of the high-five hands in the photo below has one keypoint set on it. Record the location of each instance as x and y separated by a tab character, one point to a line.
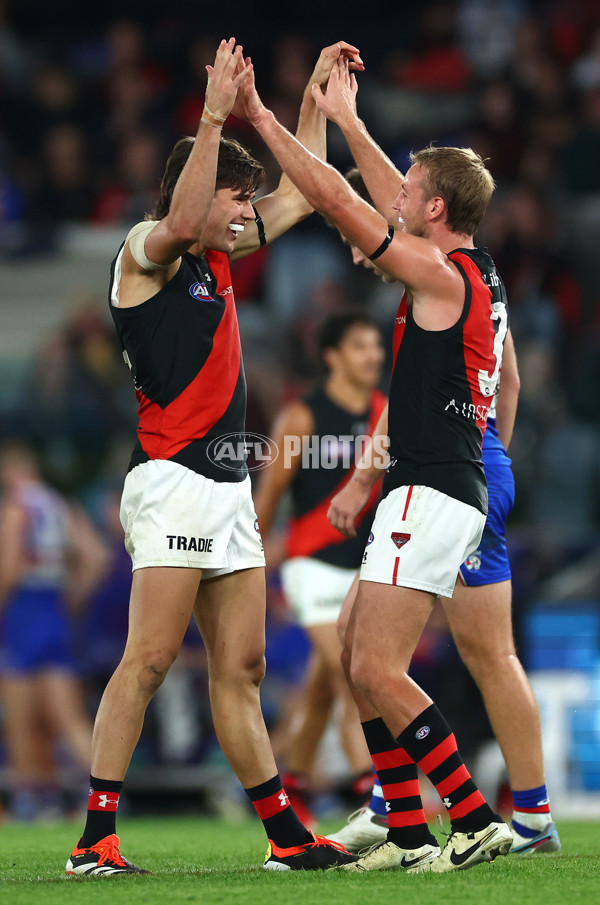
331	55
338	101
249	106
225	77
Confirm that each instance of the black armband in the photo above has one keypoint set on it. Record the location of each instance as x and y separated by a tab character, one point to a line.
260	227
384	244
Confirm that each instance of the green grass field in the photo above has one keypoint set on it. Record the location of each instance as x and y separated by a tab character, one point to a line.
206	860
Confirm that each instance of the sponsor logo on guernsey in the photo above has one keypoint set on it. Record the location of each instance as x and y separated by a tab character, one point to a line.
422	733
199	291
371	538
468	410
197	544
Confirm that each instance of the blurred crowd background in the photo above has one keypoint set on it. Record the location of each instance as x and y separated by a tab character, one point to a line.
91	104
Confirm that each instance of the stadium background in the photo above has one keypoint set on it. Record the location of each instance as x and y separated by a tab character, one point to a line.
90	105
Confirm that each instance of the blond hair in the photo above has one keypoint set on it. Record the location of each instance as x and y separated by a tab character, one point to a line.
461	178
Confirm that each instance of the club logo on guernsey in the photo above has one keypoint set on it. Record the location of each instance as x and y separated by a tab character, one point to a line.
422	733
199	291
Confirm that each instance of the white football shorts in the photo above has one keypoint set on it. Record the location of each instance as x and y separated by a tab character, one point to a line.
419	539
173	516
315	590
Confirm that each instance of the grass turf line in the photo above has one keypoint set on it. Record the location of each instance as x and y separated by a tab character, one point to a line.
209	861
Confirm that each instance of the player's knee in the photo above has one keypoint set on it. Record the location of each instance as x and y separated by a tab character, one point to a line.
151	669
249	671
256	669
341	627
346	660
361	675
480	657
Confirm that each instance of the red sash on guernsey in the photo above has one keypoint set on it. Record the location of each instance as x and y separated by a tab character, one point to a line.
312	531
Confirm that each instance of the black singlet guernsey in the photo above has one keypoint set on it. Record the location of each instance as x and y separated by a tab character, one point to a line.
328	460
442	387
183	349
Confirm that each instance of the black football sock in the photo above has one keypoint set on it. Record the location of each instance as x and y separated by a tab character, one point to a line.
278	816
103	802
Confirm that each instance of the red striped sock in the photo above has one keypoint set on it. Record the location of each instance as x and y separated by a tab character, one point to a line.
399	780
432	745
278	816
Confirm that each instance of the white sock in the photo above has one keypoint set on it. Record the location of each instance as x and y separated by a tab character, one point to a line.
532	821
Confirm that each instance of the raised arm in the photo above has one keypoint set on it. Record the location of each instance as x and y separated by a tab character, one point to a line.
286	206
382	179
295	422
164	242
413	260
508	394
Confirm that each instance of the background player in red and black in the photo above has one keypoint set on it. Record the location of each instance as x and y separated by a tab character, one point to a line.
453	332
318	438
191	531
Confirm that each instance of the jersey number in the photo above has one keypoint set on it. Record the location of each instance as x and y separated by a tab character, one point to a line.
487	382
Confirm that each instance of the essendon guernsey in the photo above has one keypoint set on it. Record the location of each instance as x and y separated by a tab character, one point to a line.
327	464
442	386
183	348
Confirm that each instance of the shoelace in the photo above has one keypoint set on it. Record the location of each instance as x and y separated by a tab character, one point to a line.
109	851
323	840
371	848
356	814
440	825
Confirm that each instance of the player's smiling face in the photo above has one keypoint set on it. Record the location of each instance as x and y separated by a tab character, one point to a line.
230	208
410	203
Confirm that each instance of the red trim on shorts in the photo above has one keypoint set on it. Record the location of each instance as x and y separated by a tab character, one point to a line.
271	805
103	801
470	803
408	496
395	572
